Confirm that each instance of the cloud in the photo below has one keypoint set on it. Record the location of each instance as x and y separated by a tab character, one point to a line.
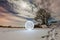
7	18
14	19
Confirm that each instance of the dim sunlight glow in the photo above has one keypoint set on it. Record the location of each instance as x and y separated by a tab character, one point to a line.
23	5
29	25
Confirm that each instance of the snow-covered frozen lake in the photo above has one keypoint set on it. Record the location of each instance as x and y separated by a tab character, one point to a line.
22	34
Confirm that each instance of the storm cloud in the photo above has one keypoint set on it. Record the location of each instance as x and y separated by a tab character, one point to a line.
8	17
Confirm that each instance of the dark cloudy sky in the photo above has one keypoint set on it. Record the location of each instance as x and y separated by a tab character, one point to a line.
8	18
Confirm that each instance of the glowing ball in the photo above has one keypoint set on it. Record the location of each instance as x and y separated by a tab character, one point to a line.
29	25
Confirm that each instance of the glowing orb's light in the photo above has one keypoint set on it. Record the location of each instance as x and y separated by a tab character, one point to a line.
29	25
